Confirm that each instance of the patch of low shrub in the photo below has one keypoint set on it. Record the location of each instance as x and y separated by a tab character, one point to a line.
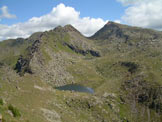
132	67
1	101
14	110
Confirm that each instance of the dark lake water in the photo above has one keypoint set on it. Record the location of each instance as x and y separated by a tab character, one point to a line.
76	87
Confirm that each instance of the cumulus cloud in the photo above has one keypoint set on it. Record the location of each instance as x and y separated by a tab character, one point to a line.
143	13
5	13
60	15
117	21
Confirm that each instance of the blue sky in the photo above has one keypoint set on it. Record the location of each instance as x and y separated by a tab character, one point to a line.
21	18
26	9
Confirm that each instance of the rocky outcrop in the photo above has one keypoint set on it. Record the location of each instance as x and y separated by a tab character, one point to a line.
1	64
53	72
51	115
144	92
94	53
22	66
23	63
83	52
66	28
34	48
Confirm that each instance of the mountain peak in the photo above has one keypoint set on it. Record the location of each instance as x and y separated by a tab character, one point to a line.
70	28
110	28
110	22
66	28
119	32
58	28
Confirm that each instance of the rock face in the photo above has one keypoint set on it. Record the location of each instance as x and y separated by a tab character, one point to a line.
1	64
83	52
66	28
22	65
145	93
51	116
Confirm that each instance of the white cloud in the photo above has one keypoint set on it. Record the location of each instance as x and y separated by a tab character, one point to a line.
117	21
143	13
5	13
60	15
130	2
